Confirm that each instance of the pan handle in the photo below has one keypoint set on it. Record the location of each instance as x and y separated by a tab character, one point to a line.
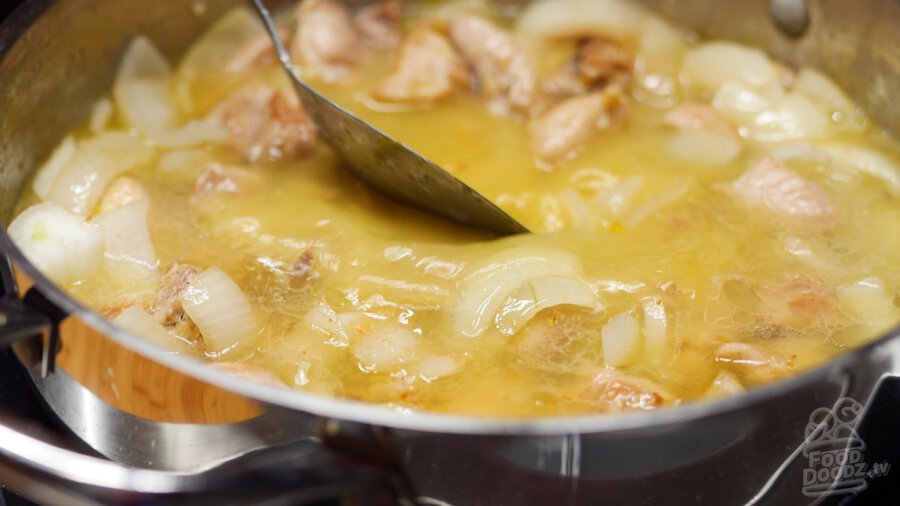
296	473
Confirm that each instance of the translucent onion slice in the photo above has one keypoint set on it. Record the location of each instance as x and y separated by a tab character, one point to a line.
127	237
553	19
194	134
141	89
539	294
869	300
620	339
725	384
385	347
703	148
708	66
78	187
215	303
101	115
325	320
866	161
203	78
656	327
434	367
62	245
137	321
485	290
819	87
49	172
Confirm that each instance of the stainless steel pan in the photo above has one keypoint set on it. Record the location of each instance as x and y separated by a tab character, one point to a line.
179	431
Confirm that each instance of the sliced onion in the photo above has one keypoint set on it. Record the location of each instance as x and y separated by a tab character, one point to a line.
485	290
869	300
620	340
820	88
325	320
541	293
703	148
867	161
143	61
662	49
770	115
656	336
127	237
61	244
101	115
141	90
710	65
726	384
194	134
79	186
553	19
215	303
385	347
434	367
202	76
137	321
668	197
793	117
49	172
740	102
184	166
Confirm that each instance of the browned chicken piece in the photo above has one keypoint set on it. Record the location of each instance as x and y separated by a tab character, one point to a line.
122	191
561	130
693	116
619	392
265	124
752	363
379	24
326	41
167	308
504	74
769	184
598	63
250	372
304	267
429	68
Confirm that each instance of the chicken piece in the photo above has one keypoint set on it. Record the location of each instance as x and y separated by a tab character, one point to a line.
326	41
379	24
598	63
559	131
619	392
692	116
304	267
121	192
265	124
752	363
504	74
166	307
769	184
250	372
428	69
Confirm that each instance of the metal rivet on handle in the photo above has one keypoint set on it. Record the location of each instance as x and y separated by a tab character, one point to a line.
790	16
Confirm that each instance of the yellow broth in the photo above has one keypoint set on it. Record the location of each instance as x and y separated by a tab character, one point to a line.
716	266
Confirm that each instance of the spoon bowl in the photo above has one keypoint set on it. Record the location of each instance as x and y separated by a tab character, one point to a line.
387	165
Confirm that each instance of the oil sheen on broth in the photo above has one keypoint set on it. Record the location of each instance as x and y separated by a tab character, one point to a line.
708	220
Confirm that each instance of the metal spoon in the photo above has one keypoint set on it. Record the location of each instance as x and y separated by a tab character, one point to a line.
387	165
